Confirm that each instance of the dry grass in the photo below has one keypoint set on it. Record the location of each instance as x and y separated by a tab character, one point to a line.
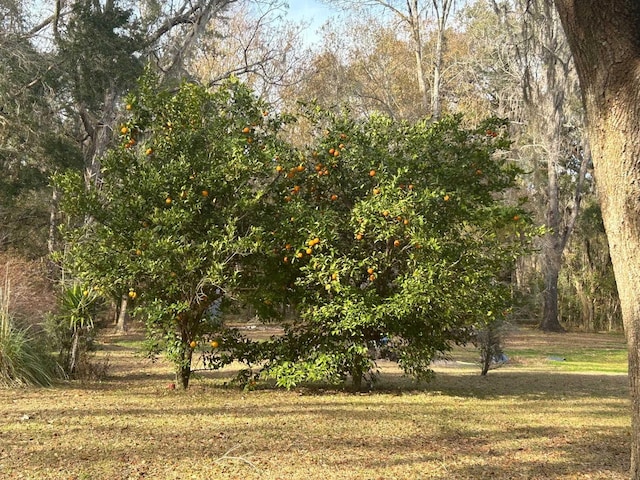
528	420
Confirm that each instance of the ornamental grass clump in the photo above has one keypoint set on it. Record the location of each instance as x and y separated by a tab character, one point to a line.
23	360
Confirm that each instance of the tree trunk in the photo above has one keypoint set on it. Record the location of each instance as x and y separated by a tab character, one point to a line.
442	10
436	106
356	375
605	43
183	373
550	321
121	323
183	370
74	353
417	46
554	245
53	224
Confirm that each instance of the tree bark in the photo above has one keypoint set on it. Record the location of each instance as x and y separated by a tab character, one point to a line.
413	19
442	9
436	105
605	40
183	374
550	321
121	322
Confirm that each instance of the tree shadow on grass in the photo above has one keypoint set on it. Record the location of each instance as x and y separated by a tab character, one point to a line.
501	383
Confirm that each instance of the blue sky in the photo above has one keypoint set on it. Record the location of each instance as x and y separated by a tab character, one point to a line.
313	11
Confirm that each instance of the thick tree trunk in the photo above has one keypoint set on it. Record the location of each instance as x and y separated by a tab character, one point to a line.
550	321
605	41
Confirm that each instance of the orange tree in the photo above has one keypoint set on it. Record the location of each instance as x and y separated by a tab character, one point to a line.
398	240
180	218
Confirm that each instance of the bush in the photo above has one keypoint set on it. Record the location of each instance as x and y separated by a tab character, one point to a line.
24	360
392	233
489	339
71	331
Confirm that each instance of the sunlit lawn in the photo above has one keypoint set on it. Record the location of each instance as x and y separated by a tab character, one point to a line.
535	418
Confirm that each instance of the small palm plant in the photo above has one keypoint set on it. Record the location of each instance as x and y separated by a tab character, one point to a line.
74	324
23	360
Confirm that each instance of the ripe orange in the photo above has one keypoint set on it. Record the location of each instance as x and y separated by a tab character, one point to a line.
334	276
332	151
246	130
128	106
168	201
334	197
385	213
336	153
446	198
372	277
341	146
214	344
370	271
318	167
406	221
279	168
285	259
516	218
193	344
299	255
296	188
410	187
396	243
149	151
124	130
359	236
132	294
300	168
205	193
372	173
287	246
138	252
309	251
376	191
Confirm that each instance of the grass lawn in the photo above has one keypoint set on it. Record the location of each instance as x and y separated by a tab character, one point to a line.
558	410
